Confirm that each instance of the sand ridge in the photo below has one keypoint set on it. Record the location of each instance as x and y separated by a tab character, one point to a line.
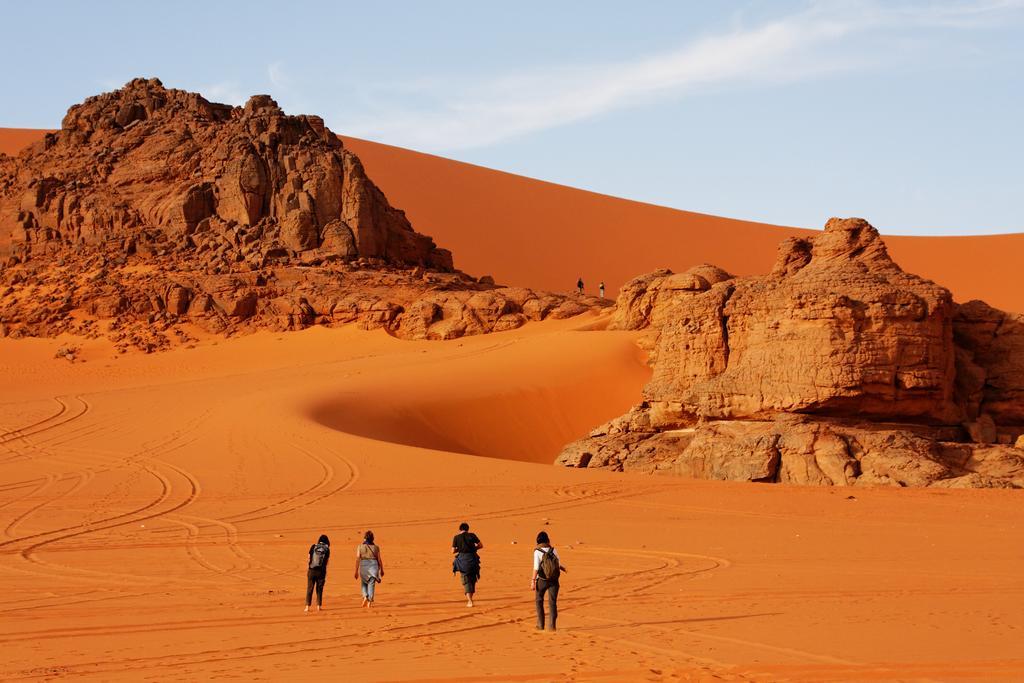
156	512
545	235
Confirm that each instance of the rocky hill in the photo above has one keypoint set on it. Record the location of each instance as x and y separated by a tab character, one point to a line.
153	208
836	368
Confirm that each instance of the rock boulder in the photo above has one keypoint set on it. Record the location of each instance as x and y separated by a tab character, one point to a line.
836	331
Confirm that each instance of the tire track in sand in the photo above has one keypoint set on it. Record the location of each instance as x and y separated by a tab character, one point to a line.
192	529
28	546
62	408
71	409
490	617
229	529
308	496
49	480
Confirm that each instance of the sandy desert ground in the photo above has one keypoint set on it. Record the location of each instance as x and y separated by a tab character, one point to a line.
156	513
530	233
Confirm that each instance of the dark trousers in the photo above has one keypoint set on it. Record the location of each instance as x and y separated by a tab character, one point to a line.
551	588
468	564
315	579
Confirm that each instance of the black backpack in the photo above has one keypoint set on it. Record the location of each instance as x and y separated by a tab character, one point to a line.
318	560
550	568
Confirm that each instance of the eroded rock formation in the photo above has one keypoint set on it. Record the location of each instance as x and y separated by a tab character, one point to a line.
835	368
147	157
152	208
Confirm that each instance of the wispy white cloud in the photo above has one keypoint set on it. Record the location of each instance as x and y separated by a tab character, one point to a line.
962	15
109	83
228	92
277	76
289	90
451	114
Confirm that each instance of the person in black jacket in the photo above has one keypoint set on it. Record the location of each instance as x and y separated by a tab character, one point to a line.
467	562
316	570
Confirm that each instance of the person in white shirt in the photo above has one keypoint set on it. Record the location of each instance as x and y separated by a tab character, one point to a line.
547	568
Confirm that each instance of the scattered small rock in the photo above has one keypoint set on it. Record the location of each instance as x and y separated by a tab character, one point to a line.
69	353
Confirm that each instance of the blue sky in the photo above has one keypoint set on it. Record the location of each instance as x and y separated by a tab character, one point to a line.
787	111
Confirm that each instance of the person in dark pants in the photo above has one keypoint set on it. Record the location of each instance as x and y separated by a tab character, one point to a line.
316	570
467	562
546	571
579	285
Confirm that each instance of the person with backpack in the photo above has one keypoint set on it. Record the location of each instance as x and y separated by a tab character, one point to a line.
316	570
547	568
465	547
369	568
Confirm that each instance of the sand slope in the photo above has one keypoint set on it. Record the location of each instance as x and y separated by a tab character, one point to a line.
156	511
529	232
532	233
13	140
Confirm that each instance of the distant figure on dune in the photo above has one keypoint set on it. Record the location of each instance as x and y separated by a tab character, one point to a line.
579	285
601	288
316	572
369	568
467	561
546	570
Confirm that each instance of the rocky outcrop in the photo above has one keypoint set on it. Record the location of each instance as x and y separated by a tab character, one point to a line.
835	368
989	347
152	307
172	171
153	209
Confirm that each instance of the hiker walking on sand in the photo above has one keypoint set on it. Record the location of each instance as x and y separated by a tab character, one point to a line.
601	288
546	570
316	570
579	286
369	568
467	562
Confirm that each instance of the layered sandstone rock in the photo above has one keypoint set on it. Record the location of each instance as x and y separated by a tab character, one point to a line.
169	170
152	208
835	368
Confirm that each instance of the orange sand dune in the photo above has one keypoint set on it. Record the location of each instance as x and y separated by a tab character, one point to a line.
13	140
478	407
156	511
529	232
532	233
